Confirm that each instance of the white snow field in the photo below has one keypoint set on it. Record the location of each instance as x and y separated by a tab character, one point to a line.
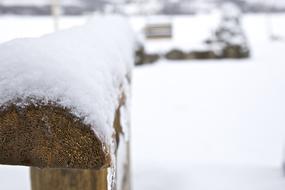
200	125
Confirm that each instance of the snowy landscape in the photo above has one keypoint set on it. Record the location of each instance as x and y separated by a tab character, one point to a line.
196	125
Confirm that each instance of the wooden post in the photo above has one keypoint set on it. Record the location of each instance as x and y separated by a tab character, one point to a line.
88	179
64	149
70	179
49	137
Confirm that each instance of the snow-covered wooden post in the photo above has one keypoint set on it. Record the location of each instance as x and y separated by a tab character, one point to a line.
64	106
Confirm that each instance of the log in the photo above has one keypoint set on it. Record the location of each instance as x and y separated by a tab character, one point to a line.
65	153
48	136
64	106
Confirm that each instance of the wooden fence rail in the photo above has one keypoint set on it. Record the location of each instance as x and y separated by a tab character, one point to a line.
65	150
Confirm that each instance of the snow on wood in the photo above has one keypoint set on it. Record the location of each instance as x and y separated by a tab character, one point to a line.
71	83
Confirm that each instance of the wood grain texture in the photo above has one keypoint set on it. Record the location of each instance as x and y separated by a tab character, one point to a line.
68	179
65	154
117	177
48	136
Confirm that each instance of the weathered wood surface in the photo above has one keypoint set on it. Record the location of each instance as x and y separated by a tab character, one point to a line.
48	136
116	177
68	179
70	155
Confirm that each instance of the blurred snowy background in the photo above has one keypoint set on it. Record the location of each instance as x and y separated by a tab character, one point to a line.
134	7
200	125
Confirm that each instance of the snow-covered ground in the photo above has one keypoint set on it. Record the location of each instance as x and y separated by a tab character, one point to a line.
213	124
21	27
198	125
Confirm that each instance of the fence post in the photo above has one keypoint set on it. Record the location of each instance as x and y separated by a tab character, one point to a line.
65	151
